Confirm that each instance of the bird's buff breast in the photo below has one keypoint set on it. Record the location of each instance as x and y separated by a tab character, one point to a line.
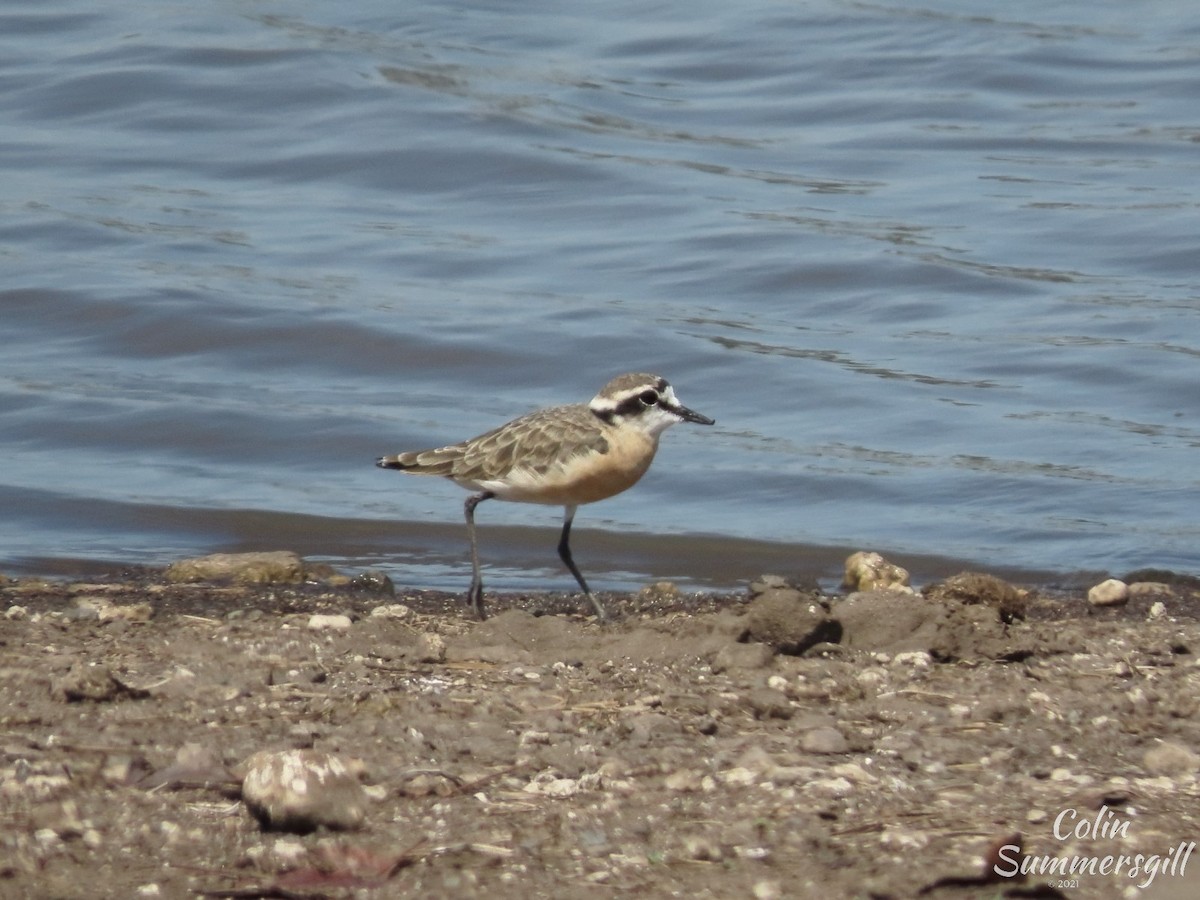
583	478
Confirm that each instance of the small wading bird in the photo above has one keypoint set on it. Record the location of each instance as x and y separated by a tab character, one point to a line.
565	456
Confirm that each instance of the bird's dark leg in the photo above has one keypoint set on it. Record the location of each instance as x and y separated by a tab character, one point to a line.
475	594
564	552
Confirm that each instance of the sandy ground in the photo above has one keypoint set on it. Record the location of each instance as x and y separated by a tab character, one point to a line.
773	743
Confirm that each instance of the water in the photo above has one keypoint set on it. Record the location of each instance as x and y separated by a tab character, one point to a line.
931	266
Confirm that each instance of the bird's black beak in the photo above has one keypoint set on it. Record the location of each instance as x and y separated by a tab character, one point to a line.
690	415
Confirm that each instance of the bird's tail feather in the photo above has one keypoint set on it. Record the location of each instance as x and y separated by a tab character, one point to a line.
423	462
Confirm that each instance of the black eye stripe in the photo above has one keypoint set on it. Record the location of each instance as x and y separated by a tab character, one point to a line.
636	403
629	406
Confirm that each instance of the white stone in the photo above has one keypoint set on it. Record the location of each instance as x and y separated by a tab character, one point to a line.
300	790
1112	592
431	647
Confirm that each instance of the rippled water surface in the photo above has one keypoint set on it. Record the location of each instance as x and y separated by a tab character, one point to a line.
933	268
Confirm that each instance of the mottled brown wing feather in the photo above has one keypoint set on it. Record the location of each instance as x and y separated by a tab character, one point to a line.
537	442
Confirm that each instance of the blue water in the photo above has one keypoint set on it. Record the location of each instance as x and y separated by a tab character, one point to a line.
931	266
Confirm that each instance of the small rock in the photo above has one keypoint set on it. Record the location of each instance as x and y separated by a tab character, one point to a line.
391	611
651	727
107	611
132	612
854	772
326	622
277	567
823	740
553	787
660	592
789	621
94	682
683	780
1170	759
987	590
768	703
195	764
289	853
431	648
302	790
912	659
701	848
741	777
899	839
733	655
81	614
373	582
869	571
62	818
1112	592
831	787
16	613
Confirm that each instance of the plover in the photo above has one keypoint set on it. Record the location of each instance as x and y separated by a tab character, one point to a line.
564	456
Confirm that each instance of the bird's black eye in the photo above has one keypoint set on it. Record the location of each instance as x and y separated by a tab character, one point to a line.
649	397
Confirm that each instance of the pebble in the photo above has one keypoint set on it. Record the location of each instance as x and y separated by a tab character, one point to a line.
1112	592
869	571
327	622
823	740
854	772
553	787
903	840
660	592
733	655
85	681
831	787
431	648
739	776
683	780
276	567
981	588
302	790
1169	758
702	848
373	581
391	611
769	703
107	611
